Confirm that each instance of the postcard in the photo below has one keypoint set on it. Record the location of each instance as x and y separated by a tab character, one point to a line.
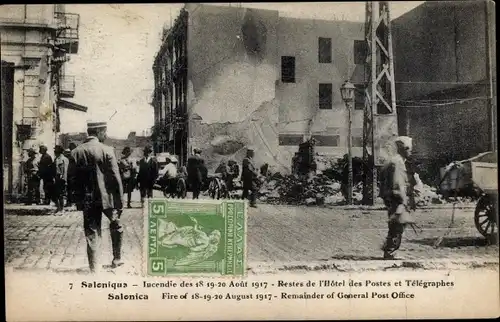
250	161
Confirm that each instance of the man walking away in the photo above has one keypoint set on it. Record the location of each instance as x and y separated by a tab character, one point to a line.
31	168
148	173
99	191
71	175
61	165
394	186
127	172
250	177
195	172
46	173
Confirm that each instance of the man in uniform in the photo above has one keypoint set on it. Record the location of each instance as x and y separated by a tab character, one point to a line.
195	172
250	177
99	190
127	172
46	173
61	166
394	186
148	173
31	168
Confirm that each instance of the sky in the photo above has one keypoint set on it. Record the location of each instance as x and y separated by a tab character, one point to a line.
118	42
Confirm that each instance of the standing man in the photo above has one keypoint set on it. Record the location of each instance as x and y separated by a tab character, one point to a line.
394	187
31	168
71	175
250	177
99	191
61	164
195	172
127	172
46	173
148	173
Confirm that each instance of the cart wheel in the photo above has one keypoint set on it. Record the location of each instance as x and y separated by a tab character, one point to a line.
181	189
484	216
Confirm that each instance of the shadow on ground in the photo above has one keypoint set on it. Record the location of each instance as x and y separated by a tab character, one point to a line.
454	242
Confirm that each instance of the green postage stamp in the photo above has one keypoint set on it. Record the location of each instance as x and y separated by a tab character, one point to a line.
195	237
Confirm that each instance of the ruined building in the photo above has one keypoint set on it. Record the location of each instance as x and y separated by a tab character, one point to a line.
229	77
36	41
445	69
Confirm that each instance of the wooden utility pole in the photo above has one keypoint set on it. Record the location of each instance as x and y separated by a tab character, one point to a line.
380	118
491	103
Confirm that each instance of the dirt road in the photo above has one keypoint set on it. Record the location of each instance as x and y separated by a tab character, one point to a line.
279	238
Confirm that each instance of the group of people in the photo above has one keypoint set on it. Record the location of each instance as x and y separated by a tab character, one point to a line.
56	176
229	171
141	174
196	174
100	180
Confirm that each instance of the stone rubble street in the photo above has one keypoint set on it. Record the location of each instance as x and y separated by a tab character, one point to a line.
279	238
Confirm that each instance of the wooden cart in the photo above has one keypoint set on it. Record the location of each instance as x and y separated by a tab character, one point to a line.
480	172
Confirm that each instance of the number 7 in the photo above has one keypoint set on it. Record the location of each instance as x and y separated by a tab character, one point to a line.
70	286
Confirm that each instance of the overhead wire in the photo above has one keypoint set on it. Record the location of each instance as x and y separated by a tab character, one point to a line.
442	104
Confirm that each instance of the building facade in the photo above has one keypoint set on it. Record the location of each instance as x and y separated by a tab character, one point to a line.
227	78
36	41
445	69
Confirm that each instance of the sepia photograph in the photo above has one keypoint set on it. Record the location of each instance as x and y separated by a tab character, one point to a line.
252	141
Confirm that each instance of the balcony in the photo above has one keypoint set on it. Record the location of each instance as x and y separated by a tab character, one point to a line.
67	37
67	86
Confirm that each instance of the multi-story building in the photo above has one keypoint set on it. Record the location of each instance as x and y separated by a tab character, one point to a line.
445	70
231	77
36	41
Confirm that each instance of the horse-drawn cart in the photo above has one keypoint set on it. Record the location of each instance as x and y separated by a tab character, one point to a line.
479	172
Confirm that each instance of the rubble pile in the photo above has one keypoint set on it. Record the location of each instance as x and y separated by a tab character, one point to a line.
322	189
326	185
428	195
301	190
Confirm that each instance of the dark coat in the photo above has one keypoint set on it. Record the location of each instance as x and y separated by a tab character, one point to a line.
148	172
97	177
195	169
71	169
127	168
249	174
46	169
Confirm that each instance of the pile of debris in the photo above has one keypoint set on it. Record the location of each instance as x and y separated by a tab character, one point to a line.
301	190
430	196
308	185
322	189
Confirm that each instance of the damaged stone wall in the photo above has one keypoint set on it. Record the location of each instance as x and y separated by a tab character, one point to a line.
232	72
299	112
